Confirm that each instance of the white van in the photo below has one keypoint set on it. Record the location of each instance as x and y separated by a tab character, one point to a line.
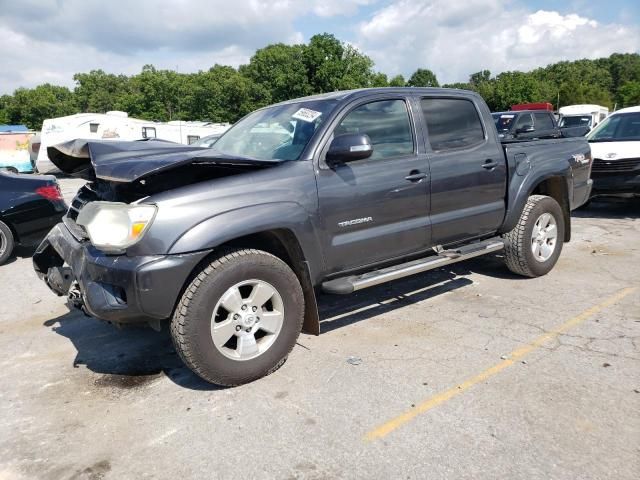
117	126
615	148
582	115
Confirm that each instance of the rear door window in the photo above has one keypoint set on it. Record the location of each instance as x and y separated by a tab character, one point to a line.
524	120
453	123
543	121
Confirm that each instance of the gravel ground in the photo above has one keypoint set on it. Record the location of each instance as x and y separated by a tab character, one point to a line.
496	376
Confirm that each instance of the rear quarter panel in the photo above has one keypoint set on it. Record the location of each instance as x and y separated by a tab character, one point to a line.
530	163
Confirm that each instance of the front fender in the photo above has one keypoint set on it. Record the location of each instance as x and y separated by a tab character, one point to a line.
244	221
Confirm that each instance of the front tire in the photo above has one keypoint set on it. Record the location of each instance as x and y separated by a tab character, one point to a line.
533	246
239	317
7	243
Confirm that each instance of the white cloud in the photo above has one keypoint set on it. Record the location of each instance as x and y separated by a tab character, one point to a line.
455	39
50	40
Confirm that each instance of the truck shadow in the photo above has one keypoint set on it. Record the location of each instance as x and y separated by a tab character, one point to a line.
134	356
610	207
337	311
128	358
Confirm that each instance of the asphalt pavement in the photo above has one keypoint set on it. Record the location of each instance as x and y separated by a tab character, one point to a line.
467	372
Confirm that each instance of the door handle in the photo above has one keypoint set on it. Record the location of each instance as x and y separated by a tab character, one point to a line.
489	164
415	176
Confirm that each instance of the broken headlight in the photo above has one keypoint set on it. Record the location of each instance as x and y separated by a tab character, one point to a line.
112	226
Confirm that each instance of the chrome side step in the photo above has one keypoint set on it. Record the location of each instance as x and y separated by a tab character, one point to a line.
346	285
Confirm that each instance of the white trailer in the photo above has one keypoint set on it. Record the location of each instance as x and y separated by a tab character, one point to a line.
582	115
117	126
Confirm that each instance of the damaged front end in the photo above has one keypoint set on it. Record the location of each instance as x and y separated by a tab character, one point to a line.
109	284
115	288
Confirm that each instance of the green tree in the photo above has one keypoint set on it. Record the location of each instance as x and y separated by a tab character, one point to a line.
574	92
423	77
157	95
31	106
510	88
221	94
379	79
623	68
98	91
459	85
478	78
629	94
357	70
323	59
398	81
280	69
4	104
332	65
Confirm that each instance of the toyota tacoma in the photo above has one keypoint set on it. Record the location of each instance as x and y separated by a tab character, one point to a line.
331	193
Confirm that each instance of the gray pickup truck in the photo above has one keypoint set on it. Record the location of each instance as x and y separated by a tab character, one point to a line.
332	193
533	124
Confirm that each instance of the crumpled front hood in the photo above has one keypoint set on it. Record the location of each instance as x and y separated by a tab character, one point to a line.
128	161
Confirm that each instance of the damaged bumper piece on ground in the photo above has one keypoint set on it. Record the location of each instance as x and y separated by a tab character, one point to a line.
118	288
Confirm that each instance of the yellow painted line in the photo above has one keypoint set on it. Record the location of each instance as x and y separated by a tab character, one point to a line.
432	402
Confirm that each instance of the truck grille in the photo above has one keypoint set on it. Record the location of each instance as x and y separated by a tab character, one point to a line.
85	195
615	166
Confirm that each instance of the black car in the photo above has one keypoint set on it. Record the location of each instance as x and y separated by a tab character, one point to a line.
29	207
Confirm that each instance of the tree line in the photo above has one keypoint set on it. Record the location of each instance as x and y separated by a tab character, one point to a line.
279	72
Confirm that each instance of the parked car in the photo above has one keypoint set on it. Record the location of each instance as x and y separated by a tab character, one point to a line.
29	207
231	243
615	144
532	124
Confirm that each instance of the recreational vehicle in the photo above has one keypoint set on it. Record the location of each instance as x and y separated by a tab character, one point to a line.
582	115
117	126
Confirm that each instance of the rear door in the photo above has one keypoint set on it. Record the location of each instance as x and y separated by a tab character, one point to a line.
377	208
468	170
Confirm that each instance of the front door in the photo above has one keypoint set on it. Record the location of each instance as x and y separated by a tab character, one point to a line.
377	208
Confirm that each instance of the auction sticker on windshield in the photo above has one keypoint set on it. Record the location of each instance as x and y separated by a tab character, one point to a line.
306	115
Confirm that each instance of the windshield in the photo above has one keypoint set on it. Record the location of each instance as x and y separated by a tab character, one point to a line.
504	121
576	121
621	127
280	132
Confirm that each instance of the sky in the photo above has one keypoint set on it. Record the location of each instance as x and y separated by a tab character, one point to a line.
50	40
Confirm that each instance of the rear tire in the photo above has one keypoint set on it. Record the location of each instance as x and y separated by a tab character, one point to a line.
239	317
533	246
7	243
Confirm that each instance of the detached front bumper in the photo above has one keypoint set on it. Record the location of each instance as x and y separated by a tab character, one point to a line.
115	288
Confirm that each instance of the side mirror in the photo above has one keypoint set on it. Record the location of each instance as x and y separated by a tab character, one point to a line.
349	147
526	129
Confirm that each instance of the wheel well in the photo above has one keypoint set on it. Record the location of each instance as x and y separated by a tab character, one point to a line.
283	244
556	188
